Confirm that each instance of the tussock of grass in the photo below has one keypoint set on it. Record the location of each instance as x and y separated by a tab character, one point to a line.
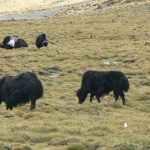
5	146
125	146
76	147
146	147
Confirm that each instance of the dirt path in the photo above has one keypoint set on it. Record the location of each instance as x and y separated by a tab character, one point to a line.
20	9
41	9
10	6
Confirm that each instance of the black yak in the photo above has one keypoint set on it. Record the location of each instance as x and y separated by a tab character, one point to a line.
20	89
41	41
20	43
14	42
100	83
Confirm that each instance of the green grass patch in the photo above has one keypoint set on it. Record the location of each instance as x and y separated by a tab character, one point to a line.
76	147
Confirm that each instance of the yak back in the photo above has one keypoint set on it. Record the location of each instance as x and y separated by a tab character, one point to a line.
109	80
100	83
20	43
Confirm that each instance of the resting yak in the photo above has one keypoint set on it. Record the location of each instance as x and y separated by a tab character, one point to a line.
13	42
100	83
20	89
41	41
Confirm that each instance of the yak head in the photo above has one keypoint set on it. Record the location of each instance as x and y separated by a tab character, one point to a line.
79	95
44	40
45	43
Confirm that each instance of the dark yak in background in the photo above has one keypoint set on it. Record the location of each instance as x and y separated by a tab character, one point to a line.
20	89
41	41
18	42
100	83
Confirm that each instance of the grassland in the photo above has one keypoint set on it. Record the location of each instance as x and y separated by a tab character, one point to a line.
78	43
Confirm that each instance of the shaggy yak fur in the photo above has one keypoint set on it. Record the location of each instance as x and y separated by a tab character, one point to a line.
41	41
20	89
100	83
18	42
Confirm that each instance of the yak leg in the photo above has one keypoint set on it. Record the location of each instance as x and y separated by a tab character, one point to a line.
32	104
123	98
11	108
99	94
91	97
98	99
9	104
116	95
7	107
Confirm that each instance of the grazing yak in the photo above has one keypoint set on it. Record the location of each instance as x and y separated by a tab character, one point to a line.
13	42
41	41
100	83
20	89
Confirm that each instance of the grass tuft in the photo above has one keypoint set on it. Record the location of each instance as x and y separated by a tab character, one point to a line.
5	146
125	146
76	147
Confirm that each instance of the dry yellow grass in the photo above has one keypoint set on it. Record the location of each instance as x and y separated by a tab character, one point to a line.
76	44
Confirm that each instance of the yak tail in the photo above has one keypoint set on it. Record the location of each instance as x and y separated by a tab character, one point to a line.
124	83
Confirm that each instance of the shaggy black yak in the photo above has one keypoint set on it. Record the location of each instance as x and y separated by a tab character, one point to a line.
20	89
14	42
41	41
100	83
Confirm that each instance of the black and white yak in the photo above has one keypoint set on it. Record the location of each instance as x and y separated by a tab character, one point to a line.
11	42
